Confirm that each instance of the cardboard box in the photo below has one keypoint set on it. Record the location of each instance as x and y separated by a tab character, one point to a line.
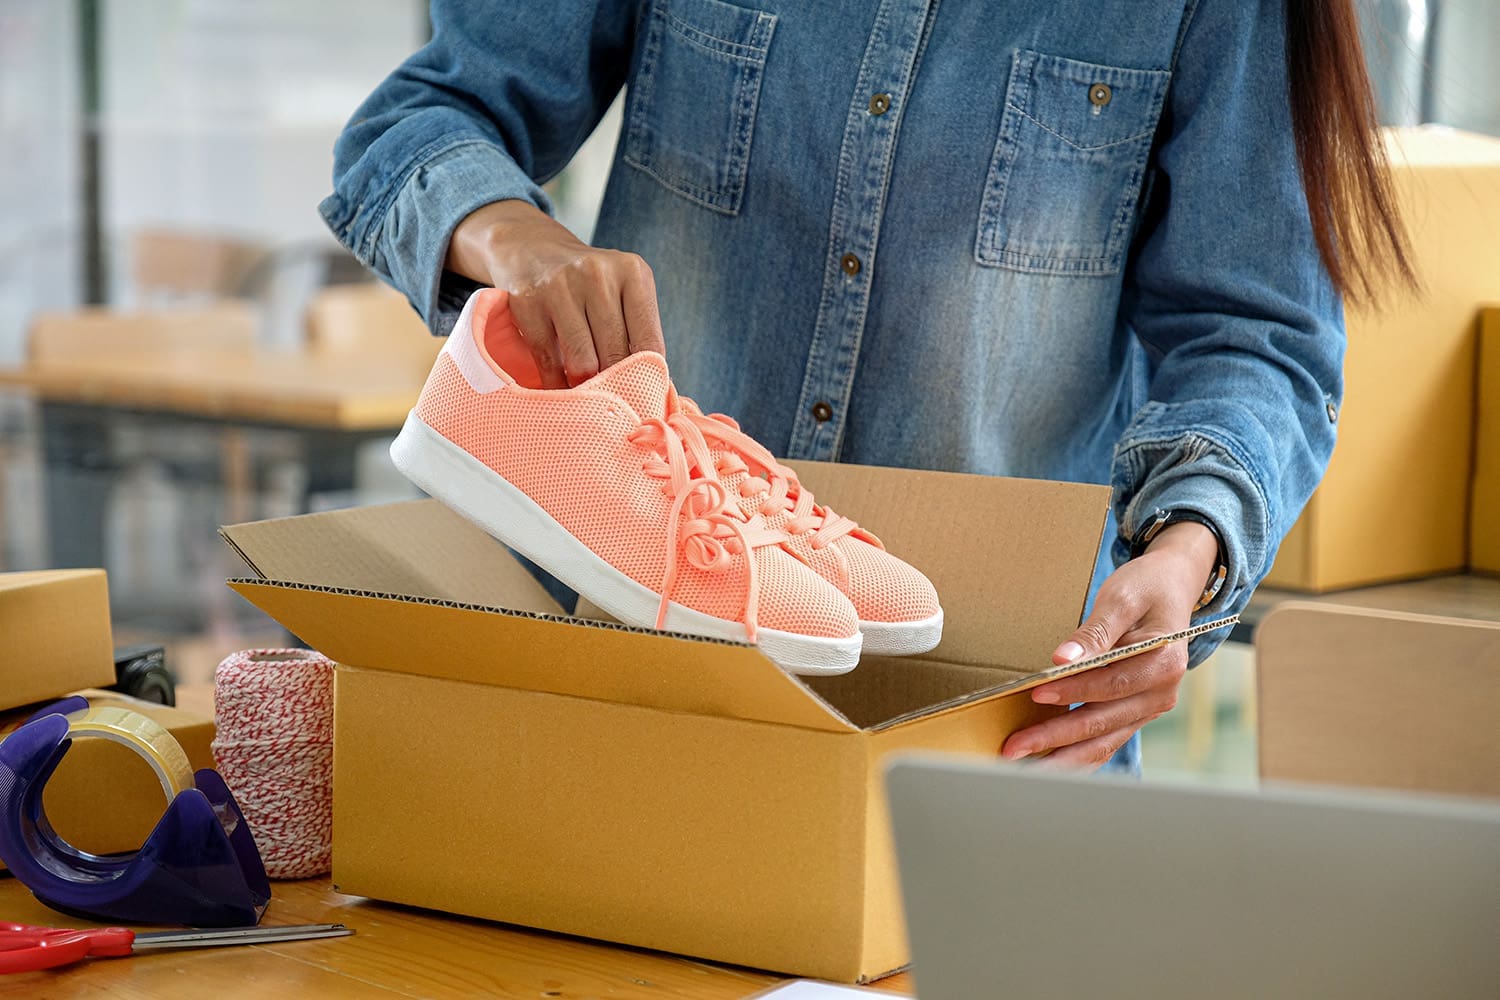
496	759
103	798
54	634
1383	699
1394	504
1484	506
352	322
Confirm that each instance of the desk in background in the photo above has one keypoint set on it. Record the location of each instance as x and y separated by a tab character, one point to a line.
113	390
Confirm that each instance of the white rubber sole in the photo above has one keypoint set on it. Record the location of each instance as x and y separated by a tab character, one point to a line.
445	471
902	638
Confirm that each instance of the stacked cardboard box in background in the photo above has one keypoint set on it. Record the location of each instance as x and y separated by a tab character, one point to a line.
54	634
1415	697
1394	504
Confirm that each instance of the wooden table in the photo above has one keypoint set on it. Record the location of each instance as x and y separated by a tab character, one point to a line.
396	951
295	389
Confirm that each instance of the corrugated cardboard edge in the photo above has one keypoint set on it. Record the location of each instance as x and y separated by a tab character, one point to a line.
798	705
244	557
246	586
610	626
1059	672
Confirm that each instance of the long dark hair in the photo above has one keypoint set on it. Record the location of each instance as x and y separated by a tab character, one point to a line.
1355	218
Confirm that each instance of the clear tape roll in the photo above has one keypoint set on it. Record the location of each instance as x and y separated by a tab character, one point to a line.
148	739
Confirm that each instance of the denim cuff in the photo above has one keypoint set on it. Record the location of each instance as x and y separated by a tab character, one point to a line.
1171	459
406	243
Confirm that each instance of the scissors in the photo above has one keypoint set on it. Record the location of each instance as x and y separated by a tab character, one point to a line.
24	948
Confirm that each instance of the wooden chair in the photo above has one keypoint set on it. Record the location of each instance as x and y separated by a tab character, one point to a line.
1353	696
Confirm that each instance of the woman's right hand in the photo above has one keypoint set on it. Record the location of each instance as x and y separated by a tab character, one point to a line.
580	309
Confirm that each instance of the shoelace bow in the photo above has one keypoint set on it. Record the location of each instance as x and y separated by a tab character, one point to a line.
701	522
780	490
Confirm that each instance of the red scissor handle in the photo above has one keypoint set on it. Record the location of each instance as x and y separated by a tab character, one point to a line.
24	948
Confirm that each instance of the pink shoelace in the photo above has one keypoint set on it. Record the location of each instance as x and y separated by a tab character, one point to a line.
780	490
701	522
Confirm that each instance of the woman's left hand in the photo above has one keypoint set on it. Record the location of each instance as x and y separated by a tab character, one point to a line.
1151	595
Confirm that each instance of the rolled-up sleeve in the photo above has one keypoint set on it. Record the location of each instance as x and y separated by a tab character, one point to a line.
490	109
1232	303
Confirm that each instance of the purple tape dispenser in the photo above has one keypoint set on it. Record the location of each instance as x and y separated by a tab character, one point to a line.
198	867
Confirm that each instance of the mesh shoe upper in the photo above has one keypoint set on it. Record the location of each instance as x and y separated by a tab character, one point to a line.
616	465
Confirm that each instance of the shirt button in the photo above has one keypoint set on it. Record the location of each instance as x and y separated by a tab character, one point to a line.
850	264
1100	94
1333	414
880	104
822	412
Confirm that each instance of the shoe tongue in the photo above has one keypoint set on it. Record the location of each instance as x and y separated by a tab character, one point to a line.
641	380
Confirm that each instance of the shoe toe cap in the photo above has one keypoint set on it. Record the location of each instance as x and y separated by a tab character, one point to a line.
884	588
793	598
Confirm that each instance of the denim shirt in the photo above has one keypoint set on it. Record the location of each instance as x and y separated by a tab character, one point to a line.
1045	238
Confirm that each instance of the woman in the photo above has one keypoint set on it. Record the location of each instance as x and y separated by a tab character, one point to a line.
1047	238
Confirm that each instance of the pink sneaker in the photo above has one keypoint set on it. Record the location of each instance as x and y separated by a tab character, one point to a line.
898	607
610	487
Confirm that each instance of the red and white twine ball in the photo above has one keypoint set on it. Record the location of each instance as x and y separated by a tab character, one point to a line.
274	747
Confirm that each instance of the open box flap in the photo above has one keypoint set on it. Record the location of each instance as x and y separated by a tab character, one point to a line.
889	692
1012	682
539	652
1012	559
415	549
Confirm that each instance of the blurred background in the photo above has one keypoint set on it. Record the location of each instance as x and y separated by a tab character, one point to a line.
162	160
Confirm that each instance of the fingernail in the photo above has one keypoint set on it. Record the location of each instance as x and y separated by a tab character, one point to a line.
1044	696
1012	752
1070	651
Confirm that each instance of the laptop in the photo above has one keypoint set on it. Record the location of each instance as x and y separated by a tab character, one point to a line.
1022	883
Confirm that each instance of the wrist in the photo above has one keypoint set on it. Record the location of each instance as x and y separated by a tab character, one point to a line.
1188	544
480	241
1192	542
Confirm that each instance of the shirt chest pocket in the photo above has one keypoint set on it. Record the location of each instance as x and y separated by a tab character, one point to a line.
691	109
1065	179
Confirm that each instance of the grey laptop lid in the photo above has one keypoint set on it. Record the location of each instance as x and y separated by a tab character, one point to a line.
1025	884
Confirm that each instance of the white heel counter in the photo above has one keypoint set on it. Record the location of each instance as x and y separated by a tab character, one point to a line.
464	351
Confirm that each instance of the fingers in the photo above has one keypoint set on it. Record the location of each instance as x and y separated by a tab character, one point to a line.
1117	610
611	342
534	323
579	308
1089	755
587	312
1091	722
638	301
1118	680
575	339
1137	602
